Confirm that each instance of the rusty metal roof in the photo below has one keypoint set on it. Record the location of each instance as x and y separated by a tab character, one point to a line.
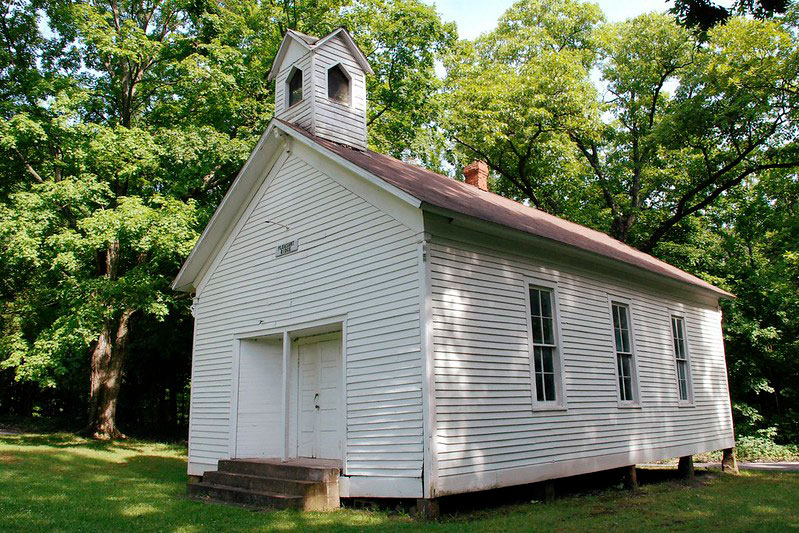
446	193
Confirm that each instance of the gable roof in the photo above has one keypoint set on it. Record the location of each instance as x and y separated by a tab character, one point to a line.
312	43
452	195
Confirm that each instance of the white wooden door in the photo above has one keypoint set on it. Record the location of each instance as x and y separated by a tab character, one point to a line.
319	364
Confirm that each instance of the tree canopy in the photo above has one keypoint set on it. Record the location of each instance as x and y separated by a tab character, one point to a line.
123	123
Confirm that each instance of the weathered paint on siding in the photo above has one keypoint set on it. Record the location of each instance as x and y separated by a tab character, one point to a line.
301	113
353	260
335	121
486	428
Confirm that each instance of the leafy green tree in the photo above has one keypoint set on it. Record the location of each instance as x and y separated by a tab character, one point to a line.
654	159
401	39
119	134
757	229
704	14
513	95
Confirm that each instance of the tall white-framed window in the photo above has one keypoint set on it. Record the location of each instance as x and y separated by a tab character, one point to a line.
681	359
546	362
624	350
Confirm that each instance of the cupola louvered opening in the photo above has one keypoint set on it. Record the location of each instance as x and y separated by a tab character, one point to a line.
338	85
294	84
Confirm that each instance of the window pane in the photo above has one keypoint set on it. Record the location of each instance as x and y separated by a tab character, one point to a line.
548	360
626	362
625	341
619	347
535	302
549	386
539	387
295	87
549	336
682	378
538	337
546	304
616	316
628	389
338	85
623	318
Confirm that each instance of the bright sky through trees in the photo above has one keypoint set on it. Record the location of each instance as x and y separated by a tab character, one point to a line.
474	17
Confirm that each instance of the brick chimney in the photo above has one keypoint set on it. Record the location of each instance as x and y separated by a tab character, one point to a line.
477	175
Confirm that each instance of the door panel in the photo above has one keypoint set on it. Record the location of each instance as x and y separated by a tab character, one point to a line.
319	365
330	397
308	383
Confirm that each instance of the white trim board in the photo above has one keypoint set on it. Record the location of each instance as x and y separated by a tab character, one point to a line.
380	487
531	474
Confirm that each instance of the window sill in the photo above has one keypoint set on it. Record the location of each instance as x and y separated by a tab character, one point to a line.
629	405
684	405
538	407
342	105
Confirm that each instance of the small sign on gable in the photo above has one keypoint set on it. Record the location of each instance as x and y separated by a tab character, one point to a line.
287	247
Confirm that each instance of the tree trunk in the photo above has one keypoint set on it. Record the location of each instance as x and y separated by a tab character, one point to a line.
107	361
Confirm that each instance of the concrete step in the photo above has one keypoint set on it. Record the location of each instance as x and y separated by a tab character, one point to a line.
279	470
294	487
224	493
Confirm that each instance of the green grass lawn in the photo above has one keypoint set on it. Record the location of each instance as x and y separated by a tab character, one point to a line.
60	482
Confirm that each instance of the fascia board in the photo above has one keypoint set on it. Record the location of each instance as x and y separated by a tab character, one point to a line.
568	254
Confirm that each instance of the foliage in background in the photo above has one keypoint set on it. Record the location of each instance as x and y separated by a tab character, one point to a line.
122	124
704	14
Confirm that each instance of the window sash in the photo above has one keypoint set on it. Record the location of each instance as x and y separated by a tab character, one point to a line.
544	344
681	357
338	85
295	87
625	364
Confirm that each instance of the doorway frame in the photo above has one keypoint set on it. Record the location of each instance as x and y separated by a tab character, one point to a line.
289	332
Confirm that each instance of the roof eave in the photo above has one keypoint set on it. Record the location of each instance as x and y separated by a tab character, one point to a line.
490	227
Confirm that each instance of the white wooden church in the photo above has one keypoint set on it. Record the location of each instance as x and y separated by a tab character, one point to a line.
418	336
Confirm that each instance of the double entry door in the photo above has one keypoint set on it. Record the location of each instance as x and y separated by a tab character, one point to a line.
319	398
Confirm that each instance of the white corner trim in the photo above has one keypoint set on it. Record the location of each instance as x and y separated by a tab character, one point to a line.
430	446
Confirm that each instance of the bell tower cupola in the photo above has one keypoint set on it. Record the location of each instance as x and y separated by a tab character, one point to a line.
320	85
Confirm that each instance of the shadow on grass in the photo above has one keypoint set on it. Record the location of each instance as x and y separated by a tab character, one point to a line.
72	440
65	485
52	483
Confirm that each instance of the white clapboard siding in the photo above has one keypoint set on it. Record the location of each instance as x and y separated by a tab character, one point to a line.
485	422
301	113
353	260
342	123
